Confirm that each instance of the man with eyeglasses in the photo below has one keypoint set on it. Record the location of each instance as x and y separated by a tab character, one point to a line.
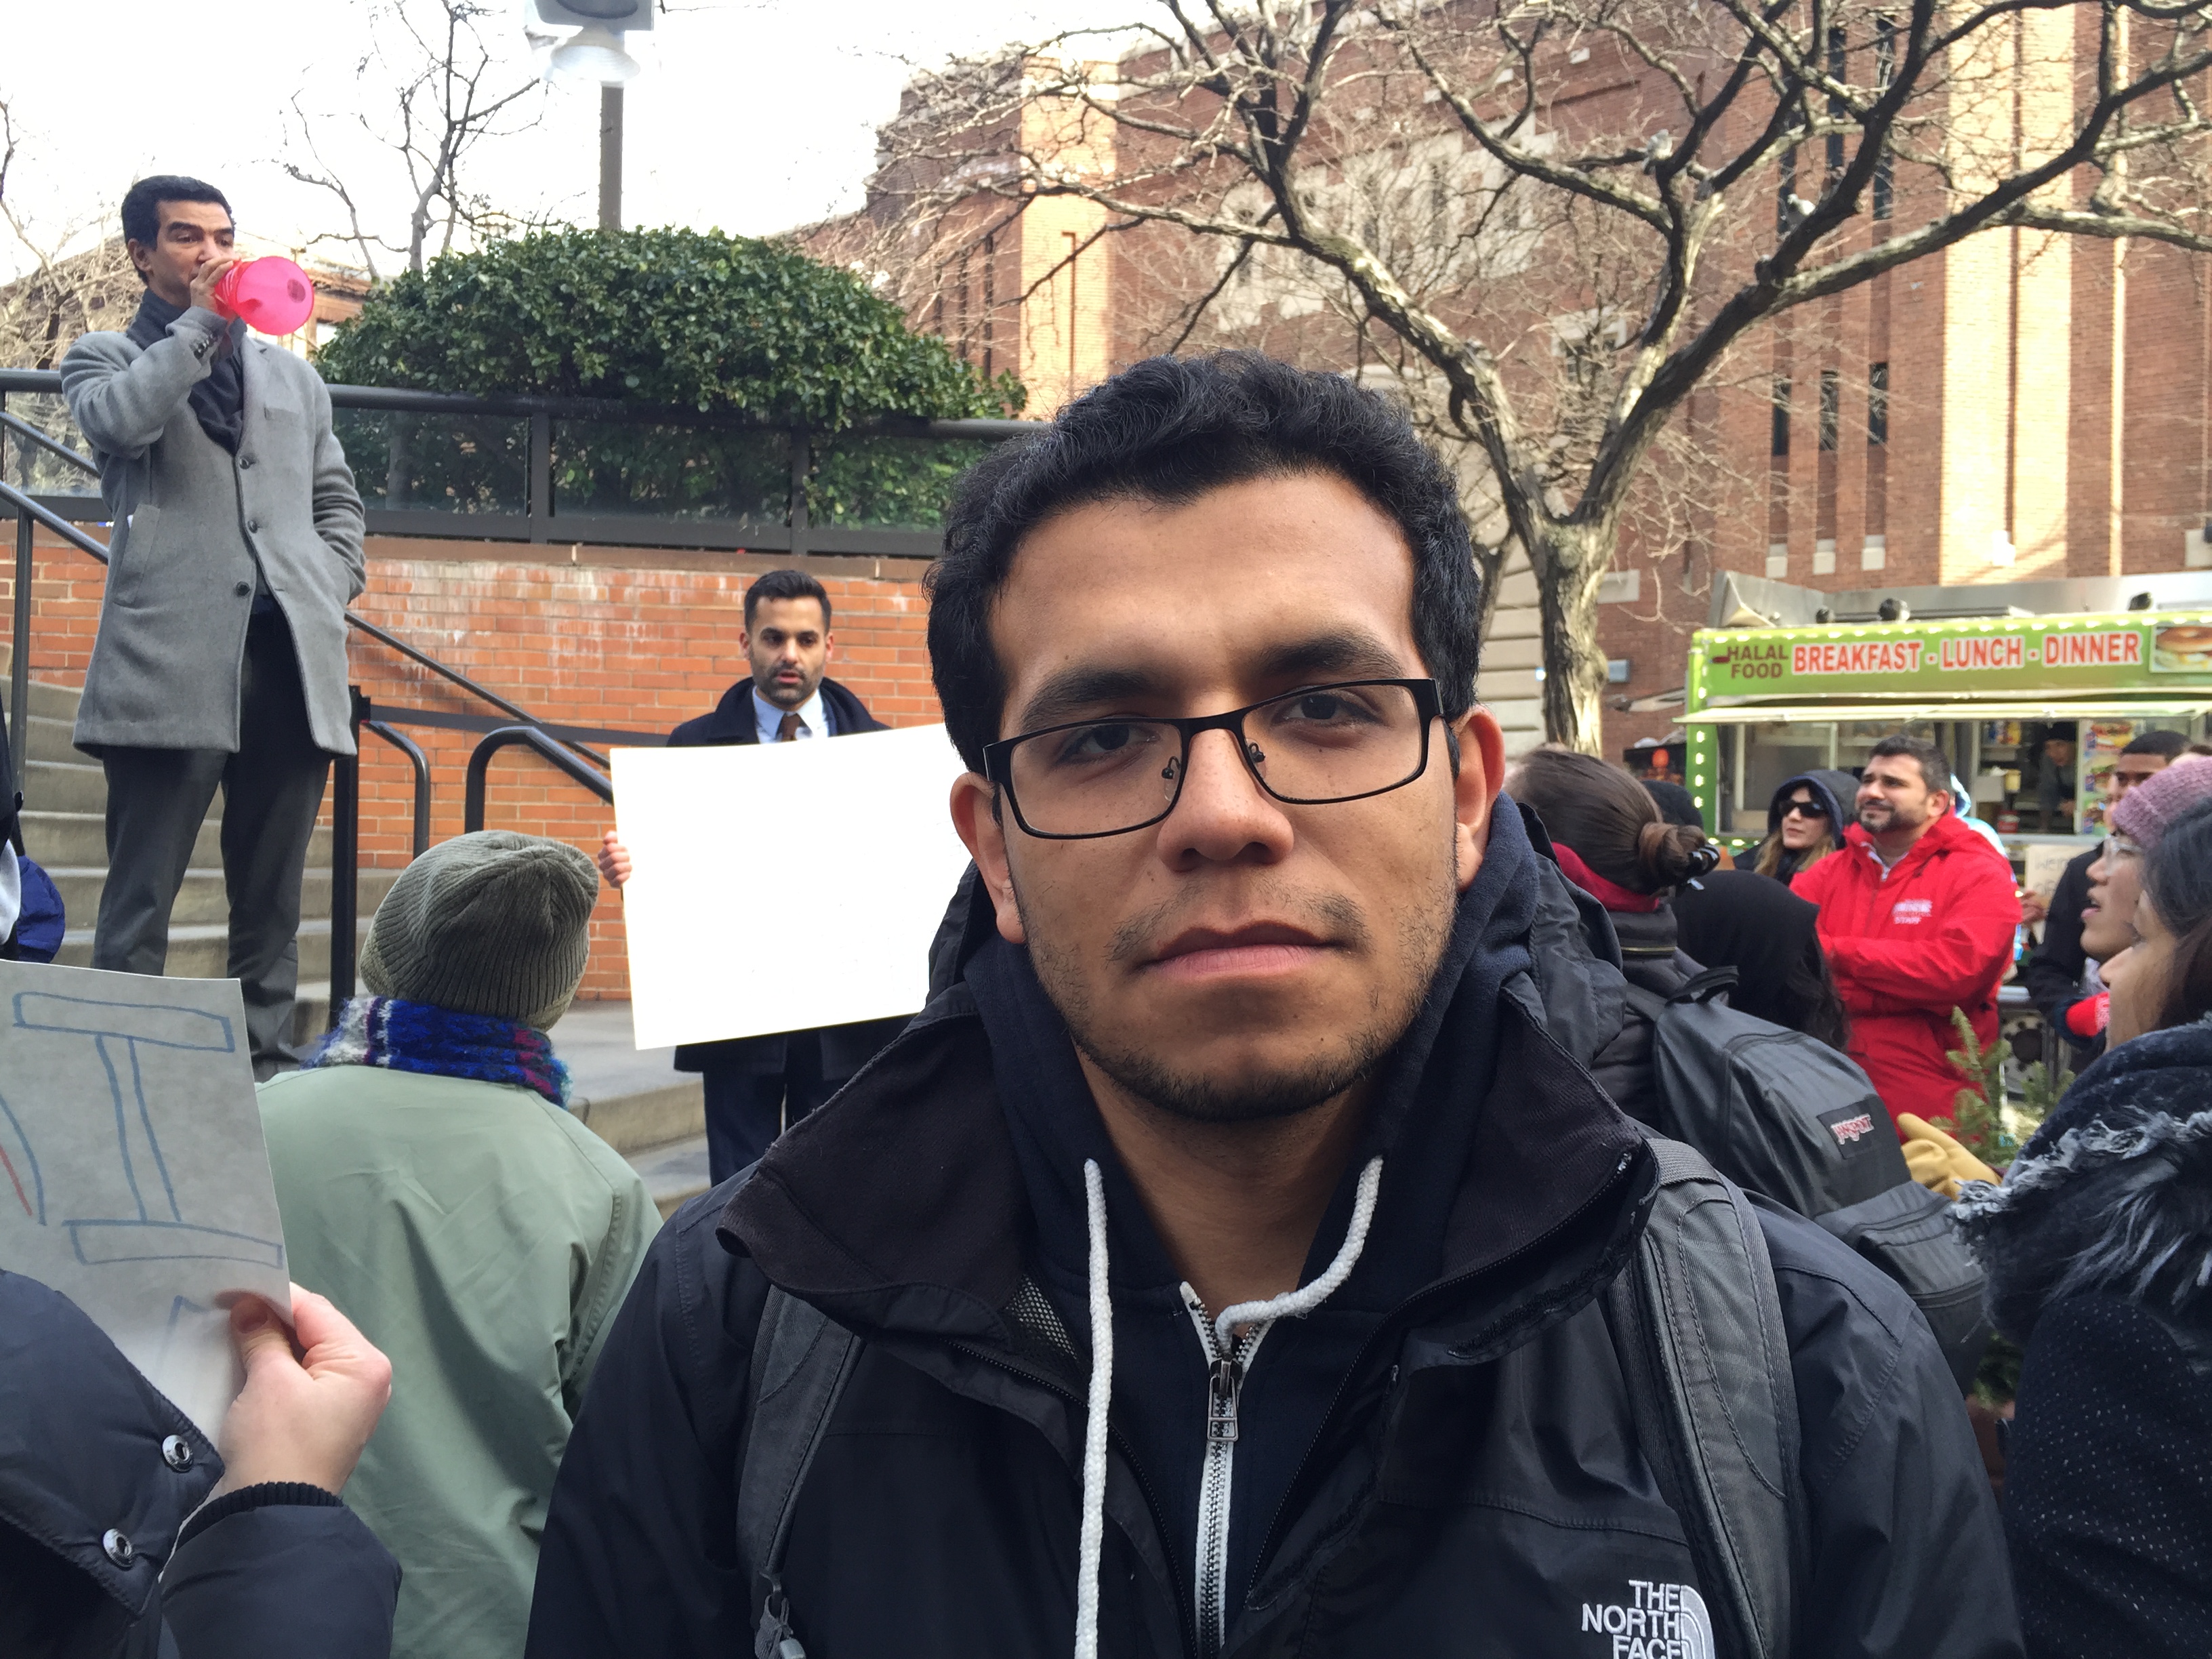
1222	1263
2058	975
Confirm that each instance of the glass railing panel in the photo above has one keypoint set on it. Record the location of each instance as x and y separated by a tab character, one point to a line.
888	483
407	462
618	470
38	471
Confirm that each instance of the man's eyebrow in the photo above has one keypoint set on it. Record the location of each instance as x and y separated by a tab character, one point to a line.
1073	691
1346	656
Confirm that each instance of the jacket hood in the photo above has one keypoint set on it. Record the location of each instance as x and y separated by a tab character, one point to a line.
1835	790
2114	1195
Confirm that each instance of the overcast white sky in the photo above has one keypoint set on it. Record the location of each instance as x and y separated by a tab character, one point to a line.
752	115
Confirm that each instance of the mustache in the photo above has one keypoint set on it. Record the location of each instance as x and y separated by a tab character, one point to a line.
1333	915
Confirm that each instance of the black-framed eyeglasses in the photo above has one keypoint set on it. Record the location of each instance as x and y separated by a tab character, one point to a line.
1315	746
1805	809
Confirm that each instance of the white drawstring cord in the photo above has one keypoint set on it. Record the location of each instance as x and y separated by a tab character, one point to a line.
1292	1304
1094	1433
1296	1304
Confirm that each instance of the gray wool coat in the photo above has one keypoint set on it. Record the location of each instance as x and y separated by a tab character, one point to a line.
192	523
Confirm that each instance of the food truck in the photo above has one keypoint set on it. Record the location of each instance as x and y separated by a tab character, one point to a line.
2031	709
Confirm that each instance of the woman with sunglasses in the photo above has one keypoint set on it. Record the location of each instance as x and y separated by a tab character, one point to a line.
2099	1252
1804	823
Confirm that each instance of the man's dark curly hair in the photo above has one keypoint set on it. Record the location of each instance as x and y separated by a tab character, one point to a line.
1167	430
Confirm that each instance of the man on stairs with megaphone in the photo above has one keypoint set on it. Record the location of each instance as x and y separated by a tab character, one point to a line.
220	656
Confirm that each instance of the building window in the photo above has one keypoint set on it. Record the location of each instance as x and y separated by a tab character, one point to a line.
1885	71
1878	403
1836	109
1778	441
1832	407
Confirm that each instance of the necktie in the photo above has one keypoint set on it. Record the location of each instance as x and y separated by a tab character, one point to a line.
786	729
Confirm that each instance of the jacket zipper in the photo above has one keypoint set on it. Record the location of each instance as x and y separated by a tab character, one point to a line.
1224	1384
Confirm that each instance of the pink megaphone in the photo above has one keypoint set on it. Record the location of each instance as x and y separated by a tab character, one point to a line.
272	295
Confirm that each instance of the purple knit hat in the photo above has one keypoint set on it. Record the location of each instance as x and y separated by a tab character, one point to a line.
2148	810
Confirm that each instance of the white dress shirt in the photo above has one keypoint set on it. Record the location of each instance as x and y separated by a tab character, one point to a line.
768	719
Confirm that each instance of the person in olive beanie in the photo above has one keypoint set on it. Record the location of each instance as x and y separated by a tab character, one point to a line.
433	1184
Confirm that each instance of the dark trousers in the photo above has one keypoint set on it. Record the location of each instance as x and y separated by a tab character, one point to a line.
746	1110
273	789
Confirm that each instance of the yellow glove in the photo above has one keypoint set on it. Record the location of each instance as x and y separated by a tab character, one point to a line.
1938	1161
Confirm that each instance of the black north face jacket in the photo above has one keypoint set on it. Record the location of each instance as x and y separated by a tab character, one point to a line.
1475	1487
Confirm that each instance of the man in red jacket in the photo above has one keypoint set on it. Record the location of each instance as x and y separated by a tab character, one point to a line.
1917	916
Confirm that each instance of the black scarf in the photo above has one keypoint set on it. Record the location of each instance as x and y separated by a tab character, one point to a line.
219	400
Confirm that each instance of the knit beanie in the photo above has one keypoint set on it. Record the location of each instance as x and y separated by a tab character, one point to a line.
2145	813
495	923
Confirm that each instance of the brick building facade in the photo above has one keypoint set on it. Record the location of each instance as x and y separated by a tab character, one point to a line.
2019	405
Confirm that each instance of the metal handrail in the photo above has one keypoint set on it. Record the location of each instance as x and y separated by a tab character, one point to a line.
28	509
472	809
23	429
459	678
407	746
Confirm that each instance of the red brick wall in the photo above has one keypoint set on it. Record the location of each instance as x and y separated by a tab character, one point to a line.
625	639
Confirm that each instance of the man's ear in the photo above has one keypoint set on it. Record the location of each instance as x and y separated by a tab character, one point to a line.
745	642
1474	791
829	646
984	834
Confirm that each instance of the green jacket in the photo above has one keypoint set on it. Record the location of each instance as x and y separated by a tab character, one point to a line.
483	1239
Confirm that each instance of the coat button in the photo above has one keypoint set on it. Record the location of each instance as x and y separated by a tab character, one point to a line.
177	1453
245	461
253	526
118	1547
243	589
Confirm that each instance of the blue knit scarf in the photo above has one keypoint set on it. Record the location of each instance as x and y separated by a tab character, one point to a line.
419	1036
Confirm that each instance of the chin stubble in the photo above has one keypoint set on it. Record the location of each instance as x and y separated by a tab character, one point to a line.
1256	1096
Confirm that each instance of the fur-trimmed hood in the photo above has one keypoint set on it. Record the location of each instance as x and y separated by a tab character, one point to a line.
2113	1195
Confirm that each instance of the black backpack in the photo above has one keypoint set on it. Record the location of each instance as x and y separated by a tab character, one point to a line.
1783	1114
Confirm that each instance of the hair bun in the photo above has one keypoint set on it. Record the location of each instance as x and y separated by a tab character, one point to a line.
1668	854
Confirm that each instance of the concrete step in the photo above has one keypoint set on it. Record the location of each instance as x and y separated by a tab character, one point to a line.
53	701
79	841
202	949
64	786
674	1173
46	737
202	897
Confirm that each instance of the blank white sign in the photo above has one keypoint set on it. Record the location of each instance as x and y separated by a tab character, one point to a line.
781	886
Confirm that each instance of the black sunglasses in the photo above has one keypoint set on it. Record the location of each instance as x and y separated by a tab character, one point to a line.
1804	809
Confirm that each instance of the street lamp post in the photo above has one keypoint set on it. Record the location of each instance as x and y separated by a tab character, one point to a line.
595	53
611	123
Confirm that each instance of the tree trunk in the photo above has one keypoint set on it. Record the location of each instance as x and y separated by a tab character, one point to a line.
1568	560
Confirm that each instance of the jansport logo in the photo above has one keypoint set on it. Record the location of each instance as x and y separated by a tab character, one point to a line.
1850	1130
1910	913
1657	1621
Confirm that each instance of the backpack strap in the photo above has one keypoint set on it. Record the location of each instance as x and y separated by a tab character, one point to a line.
800	1361
1698	1325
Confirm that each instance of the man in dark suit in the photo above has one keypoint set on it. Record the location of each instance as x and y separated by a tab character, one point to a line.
758	1086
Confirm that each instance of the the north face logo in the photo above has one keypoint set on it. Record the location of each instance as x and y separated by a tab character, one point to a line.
1657	1621
1910	913
1850	1130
